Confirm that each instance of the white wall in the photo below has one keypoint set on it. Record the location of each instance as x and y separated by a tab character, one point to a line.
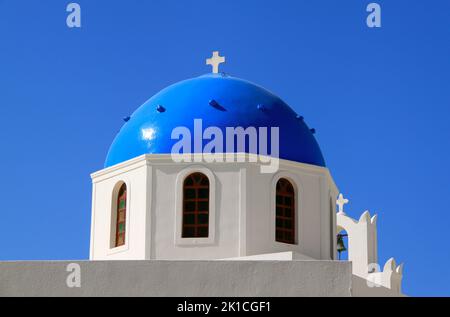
314	220
243	210
135	174
166	213
178	278
369	277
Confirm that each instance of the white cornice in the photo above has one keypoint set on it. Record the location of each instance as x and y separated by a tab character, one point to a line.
163	159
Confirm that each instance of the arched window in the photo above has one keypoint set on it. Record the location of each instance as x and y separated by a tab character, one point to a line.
121	216
285	212
195	206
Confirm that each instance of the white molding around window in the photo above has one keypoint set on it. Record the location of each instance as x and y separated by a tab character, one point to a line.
179	240
113	218
296	183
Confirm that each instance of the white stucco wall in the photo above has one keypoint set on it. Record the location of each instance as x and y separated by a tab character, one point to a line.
135	174
178	278
242	210
363	253
314	220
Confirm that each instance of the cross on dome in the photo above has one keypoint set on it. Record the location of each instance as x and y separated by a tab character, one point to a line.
341	202
215	61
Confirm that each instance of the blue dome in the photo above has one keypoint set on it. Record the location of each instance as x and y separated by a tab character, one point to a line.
221	101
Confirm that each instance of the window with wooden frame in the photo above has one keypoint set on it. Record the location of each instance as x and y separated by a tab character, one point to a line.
285	212
121	216
195	206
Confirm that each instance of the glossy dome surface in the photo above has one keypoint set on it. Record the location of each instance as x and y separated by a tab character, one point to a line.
221	101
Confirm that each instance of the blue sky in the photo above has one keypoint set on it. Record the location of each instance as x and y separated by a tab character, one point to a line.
378	98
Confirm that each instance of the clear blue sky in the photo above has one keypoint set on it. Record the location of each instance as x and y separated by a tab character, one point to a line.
379	99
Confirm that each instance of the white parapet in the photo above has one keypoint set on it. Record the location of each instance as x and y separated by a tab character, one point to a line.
363	252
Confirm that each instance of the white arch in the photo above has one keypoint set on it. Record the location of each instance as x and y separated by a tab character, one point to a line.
113	216
179	206
296	183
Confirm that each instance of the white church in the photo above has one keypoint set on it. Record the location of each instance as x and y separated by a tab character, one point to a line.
239	219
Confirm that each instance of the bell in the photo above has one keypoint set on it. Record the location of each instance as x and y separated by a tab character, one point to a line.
340	244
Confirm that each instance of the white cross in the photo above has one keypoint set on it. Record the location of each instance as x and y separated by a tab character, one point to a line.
215	61
341	202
